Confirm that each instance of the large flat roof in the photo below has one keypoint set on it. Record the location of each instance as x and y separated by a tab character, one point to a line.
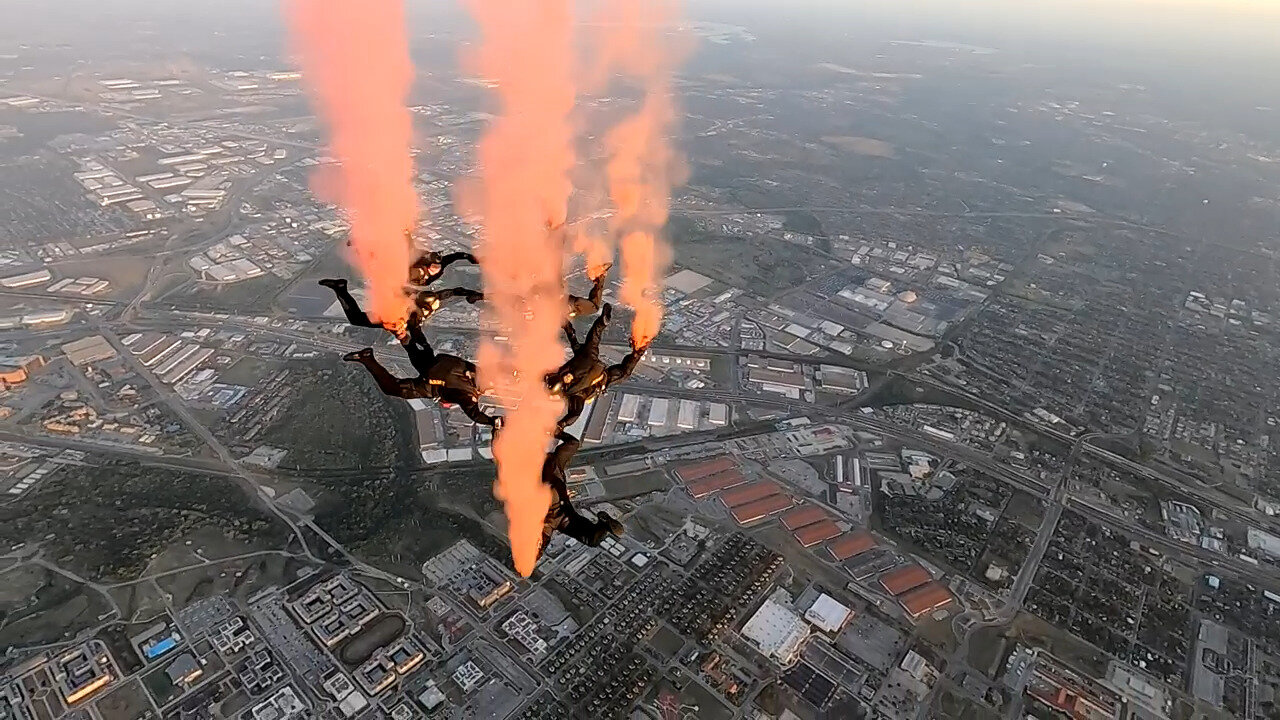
694	471
925	599
802	516
905	578
761	508
811	535
850	544
714	483
750	492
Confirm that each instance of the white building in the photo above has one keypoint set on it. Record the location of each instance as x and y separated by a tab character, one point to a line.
629	411
718	414
687	416
827	614
38	277
469	677
658	412
1265	543
777	631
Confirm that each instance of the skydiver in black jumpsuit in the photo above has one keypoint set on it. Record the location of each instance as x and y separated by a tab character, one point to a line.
431	265
359	317
583	376
578	306
447	379
429	301
561	516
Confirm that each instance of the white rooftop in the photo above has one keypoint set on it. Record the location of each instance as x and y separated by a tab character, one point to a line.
827	613
777	630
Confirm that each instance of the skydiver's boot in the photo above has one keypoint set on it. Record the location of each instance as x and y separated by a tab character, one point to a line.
387	383
350	307
614	527
362	356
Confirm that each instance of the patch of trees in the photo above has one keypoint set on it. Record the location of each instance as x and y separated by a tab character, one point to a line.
109	521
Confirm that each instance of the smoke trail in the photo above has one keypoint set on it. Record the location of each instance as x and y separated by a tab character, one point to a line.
355	61
642	165
525	159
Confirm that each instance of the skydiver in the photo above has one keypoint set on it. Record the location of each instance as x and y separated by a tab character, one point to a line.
561	516
359	317
579	306
448	379
583	376
430	265
429	301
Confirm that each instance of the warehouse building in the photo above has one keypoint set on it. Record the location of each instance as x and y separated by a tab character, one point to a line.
90	350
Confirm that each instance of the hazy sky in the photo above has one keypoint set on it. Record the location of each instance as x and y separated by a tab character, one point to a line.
1240	26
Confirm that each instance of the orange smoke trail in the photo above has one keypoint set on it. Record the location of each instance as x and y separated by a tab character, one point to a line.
642	165
525	158
595	248
355	61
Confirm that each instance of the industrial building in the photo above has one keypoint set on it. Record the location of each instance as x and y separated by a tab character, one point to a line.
426	420
815	533
850	545
841	380
629	411
905	578
597	422
715	483
789	384
26	280
760	509
696	471
1265	543
687	416
16	370
750	493
777	631
658	412
802	516
828	614
718	414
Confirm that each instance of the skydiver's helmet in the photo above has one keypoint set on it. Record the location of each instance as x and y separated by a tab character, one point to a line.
429	303
557	383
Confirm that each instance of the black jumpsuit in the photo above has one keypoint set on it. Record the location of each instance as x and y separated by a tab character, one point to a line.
561	516
420	271
447	379
350	307
430	301
590	376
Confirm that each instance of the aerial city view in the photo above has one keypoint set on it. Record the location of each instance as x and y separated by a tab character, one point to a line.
639	360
